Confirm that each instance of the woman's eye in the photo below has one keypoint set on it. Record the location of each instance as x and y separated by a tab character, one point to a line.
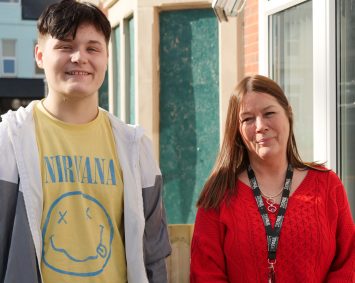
269	113
247	120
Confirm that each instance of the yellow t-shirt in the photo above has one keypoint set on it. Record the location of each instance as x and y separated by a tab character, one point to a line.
82	221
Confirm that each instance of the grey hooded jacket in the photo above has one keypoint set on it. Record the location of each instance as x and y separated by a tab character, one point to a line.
21	200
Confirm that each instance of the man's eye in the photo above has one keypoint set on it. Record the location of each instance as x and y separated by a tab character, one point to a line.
65	47
92	49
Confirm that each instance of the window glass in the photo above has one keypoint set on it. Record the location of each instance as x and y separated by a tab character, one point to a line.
116	66
346	95
9	66
8	59
131	94
291	65
129	70
8	47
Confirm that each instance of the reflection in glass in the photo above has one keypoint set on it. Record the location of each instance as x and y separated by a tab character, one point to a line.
346	95
116	42
291	65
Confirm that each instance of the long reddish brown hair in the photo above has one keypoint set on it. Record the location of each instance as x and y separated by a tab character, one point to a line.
233	156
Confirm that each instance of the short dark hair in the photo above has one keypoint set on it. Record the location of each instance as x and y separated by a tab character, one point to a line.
61	20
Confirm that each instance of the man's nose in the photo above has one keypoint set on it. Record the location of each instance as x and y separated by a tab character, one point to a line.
78	57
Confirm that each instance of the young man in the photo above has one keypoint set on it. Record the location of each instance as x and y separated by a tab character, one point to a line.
80	191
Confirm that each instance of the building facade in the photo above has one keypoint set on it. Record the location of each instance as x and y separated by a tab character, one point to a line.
173	67
308	47
20	79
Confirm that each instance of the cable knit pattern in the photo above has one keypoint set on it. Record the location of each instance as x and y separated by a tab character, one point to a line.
317	240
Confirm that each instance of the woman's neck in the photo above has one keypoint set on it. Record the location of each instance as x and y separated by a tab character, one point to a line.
269	168
270	175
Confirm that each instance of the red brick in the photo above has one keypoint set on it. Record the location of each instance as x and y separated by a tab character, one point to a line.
251	48
251	28
251	37
251	69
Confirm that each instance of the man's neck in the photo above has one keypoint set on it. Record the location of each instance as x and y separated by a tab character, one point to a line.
72	110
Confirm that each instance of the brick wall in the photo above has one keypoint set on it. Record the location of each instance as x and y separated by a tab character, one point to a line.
250	37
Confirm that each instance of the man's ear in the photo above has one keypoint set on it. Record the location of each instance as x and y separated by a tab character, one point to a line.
39	55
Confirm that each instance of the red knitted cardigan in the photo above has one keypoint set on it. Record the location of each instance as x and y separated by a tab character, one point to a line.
317	240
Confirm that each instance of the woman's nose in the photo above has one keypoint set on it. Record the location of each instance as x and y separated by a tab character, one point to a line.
260	124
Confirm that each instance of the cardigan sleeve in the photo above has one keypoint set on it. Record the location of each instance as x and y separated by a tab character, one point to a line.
207	255
343	265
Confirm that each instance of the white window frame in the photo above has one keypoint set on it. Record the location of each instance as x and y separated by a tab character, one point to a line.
10	2
324	70
3	58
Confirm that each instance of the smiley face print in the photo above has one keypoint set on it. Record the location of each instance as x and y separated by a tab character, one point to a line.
77	235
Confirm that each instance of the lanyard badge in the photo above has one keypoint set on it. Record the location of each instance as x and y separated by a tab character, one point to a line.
272	234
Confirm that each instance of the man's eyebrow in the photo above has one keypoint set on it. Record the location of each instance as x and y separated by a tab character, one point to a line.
95	42
65	39
89	42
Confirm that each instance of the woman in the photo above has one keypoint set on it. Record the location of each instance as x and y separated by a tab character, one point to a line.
264	215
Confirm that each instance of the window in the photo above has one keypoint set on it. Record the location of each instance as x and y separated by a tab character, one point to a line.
331	35
123	71
116	40
129	70
346	96
9	1
8	57
291	65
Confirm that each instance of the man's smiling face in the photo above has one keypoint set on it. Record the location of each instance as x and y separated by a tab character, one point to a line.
74	67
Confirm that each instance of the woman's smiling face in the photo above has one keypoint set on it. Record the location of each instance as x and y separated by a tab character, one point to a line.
264	126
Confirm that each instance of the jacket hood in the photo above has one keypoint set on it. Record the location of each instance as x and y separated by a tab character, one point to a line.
133	133
17	118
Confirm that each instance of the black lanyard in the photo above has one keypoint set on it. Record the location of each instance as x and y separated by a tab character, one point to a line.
272	234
